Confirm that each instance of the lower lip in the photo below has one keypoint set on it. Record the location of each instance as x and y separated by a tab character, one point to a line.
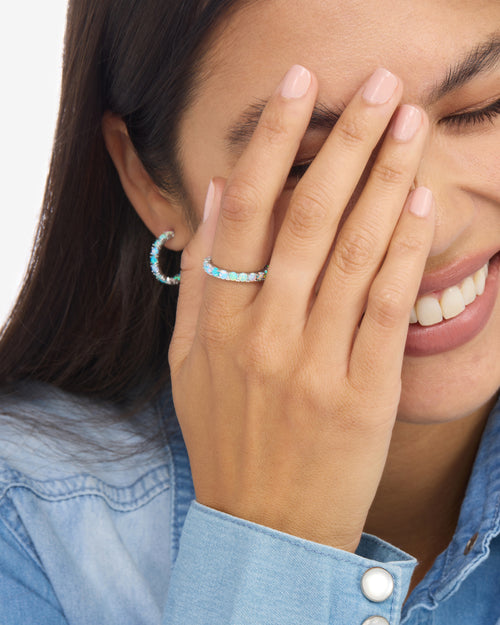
451	333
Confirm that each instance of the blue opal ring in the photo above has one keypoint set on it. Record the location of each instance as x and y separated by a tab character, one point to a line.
233	276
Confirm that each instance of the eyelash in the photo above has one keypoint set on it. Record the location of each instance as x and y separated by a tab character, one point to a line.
472	118
457	122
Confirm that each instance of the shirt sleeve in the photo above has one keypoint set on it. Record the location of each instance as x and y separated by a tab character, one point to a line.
26	595
234	572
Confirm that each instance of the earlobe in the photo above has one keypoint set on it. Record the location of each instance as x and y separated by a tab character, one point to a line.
158	212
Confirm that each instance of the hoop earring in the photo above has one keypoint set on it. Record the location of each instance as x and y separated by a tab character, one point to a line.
155	261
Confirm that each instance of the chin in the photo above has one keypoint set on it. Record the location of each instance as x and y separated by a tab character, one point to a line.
451	385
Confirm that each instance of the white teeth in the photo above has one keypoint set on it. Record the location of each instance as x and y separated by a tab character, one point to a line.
428	310
452	302
468	289
480	279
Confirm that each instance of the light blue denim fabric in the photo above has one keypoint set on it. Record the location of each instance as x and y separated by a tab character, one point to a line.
91	539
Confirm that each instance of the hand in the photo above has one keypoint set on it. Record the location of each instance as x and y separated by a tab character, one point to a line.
287	391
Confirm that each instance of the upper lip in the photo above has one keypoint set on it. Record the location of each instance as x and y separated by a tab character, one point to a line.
455	272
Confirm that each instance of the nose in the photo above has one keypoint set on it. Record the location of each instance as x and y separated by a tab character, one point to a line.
443	171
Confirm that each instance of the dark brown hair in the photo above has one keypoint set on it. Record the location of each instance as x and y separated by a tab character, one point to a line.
90	317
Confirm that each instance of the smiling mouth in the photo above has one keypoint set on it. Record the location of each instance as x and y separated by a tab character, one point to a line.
431	309
446	318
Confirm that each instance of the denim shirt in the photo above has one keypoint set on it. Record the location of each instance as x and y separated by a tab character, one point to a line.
95	538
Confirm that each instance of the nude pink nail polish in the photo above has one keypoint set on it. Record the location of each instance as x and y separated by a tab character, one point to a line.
420	202
380	87
406	122
296	82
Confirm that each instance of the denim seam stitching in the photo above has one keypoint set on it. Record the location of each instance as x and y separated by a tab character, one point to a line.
138	503
385	548
21	544
284	539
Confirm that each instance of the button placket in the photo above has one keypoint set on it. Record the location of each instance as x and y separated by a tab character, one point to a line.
376	620
377	584
469	546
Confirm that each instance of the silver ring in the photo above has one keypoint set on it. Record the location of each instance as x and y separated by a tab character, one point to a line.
233	276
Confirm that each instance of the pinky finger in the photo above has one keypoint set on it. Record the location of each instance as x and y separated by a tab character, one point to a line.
378	349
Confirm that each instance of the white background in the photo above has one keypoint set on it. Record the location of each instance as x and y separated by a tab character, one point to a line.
31	41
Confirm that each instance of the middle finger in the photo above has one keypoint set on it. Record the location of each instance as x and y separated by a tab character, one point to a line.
320	199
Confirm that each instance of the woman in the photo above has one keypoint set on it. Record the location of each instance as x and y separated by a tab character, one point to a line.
334	362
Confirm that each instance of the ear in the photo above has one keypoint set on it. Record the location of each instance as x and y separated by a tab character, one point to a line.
158	212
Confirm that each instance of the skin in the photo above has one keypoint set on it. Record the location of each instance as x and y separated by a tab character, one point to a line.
403	475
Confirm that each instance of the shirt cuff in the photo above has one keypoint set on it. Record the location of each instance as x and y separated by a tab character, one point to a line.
232	571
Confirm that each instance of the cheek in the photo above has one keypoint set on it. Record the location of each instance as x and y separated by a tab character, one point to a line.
487	164
463	172
475	160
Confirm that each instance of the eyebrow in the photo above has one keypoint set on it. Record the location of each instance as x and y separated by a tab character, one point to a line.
323	117
484	57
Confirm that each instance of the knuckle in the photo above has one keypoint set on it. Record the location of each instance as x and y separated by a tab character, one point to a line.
388	305
308	213
331	407
259	358
264	356
409	243
353	252
273	126
388	172
351	131
240	200
310	388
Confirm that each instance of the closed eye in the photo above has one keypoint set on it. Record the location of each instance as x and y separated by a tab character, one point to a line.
468	119
472	118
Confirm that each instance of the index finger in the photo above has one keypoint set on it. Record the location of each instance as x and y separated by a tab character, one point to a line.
242	240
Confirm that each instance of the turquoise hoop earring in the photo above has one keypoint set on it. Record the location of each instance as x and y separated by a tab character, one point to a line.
155	260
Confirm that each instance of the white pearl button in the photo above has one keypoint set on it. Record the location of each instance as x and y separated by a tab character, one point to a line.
377	585
376	620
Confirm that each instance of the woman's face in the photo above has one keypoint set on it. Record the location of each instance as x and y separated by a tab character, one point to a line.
447	54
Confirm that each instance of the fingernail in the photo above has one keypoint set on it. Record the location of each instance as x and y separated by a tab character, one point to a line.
209	201
296	82
405	124
420	202
380	87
